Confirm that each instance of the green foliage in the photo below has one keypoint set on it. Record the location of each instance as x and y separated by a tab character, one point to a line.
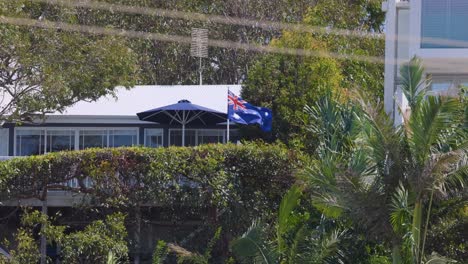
160	252
288	83
414	87
202	176
27	250
93	244
238	182
379	260
196	258
253	246
47	70
384	172
111	259
401	214
169	63
360	15
295	240
99	242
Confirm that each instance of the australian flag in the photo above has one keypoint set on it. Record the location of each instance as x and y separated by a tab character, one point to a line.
241	112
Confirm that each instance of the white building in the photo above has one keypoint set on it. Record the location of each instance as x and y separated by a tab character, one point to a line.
112	122
436	31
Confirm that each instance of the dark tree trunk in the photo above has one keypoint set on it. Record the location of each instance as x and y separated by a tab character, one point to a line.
43	237
137	235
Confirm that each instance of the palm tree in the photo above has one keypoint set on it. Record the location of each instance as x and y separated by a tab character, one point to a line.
111	259
364	176
294	241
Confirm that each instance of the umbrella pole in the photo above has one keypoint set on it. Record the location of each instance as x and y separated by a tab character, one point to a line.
227	129
183	128
183	134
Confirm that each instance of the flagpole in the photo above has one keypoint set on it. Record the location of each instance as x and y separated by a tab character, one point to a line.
227	141
227	128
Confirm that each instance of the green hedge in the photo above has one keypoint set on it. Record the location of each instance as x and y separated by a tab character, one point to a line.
251	174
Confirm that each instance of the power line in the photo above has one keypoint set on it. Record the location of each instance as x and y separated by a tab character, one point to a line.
230	20
180	39
227	20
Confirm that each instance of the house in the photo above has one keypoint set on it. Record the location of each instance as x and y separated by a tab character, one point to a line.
112	122
436	32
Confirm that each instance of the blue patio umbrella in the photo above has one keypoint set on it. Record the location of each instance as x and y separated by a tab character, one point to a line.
183	113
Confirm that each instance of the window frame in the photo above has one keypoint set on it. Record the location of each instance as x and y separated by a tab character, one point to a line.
440	46
15	139
145	135
76	134
456	81
223	131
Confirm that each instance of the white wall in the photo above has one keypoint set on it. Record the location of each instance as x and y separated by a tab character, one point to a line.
397	52
4	141
403	56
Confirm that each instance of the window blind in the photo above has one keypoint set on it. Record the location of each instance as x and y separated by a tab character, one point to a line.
444	24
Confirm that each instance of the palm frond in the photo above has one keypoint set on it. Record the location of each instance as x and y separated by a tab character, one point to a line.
455	181
252	246
401	214
329	248
289	202
329	205
298	246
413	85
334	123
111	259
160	252
435	114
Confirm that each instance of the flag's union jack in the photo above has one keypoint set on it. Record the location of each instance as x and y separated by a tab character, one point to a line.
236	102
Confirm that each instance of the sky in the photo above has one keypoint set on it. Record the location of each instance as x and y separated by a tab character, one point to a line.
142	98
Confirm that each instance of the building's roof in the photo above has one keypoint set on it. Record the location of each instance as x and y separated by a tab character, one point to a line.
142	98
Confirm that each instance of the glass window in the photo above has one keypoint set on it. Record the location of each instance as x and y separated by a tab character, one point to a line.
441	85
93	139
29	142
58	140
73	183
210	136
444	23
153	138
123	138
234	135
175	137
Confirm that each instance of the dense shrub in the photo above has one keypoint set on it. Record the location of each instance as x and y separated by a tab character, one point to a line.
217	185
210	174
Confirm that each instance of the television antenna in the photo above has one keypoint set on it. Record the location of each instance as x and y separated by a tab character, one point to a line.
199	47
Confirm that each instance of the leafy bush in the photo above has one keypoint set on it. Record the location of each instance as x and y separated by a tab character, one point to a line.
97	242
221	185
212	174
92	245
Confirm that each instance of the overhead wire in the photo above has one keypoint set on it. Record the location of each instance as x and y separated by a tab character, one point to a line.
240	21
227	20
44	24
97	5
